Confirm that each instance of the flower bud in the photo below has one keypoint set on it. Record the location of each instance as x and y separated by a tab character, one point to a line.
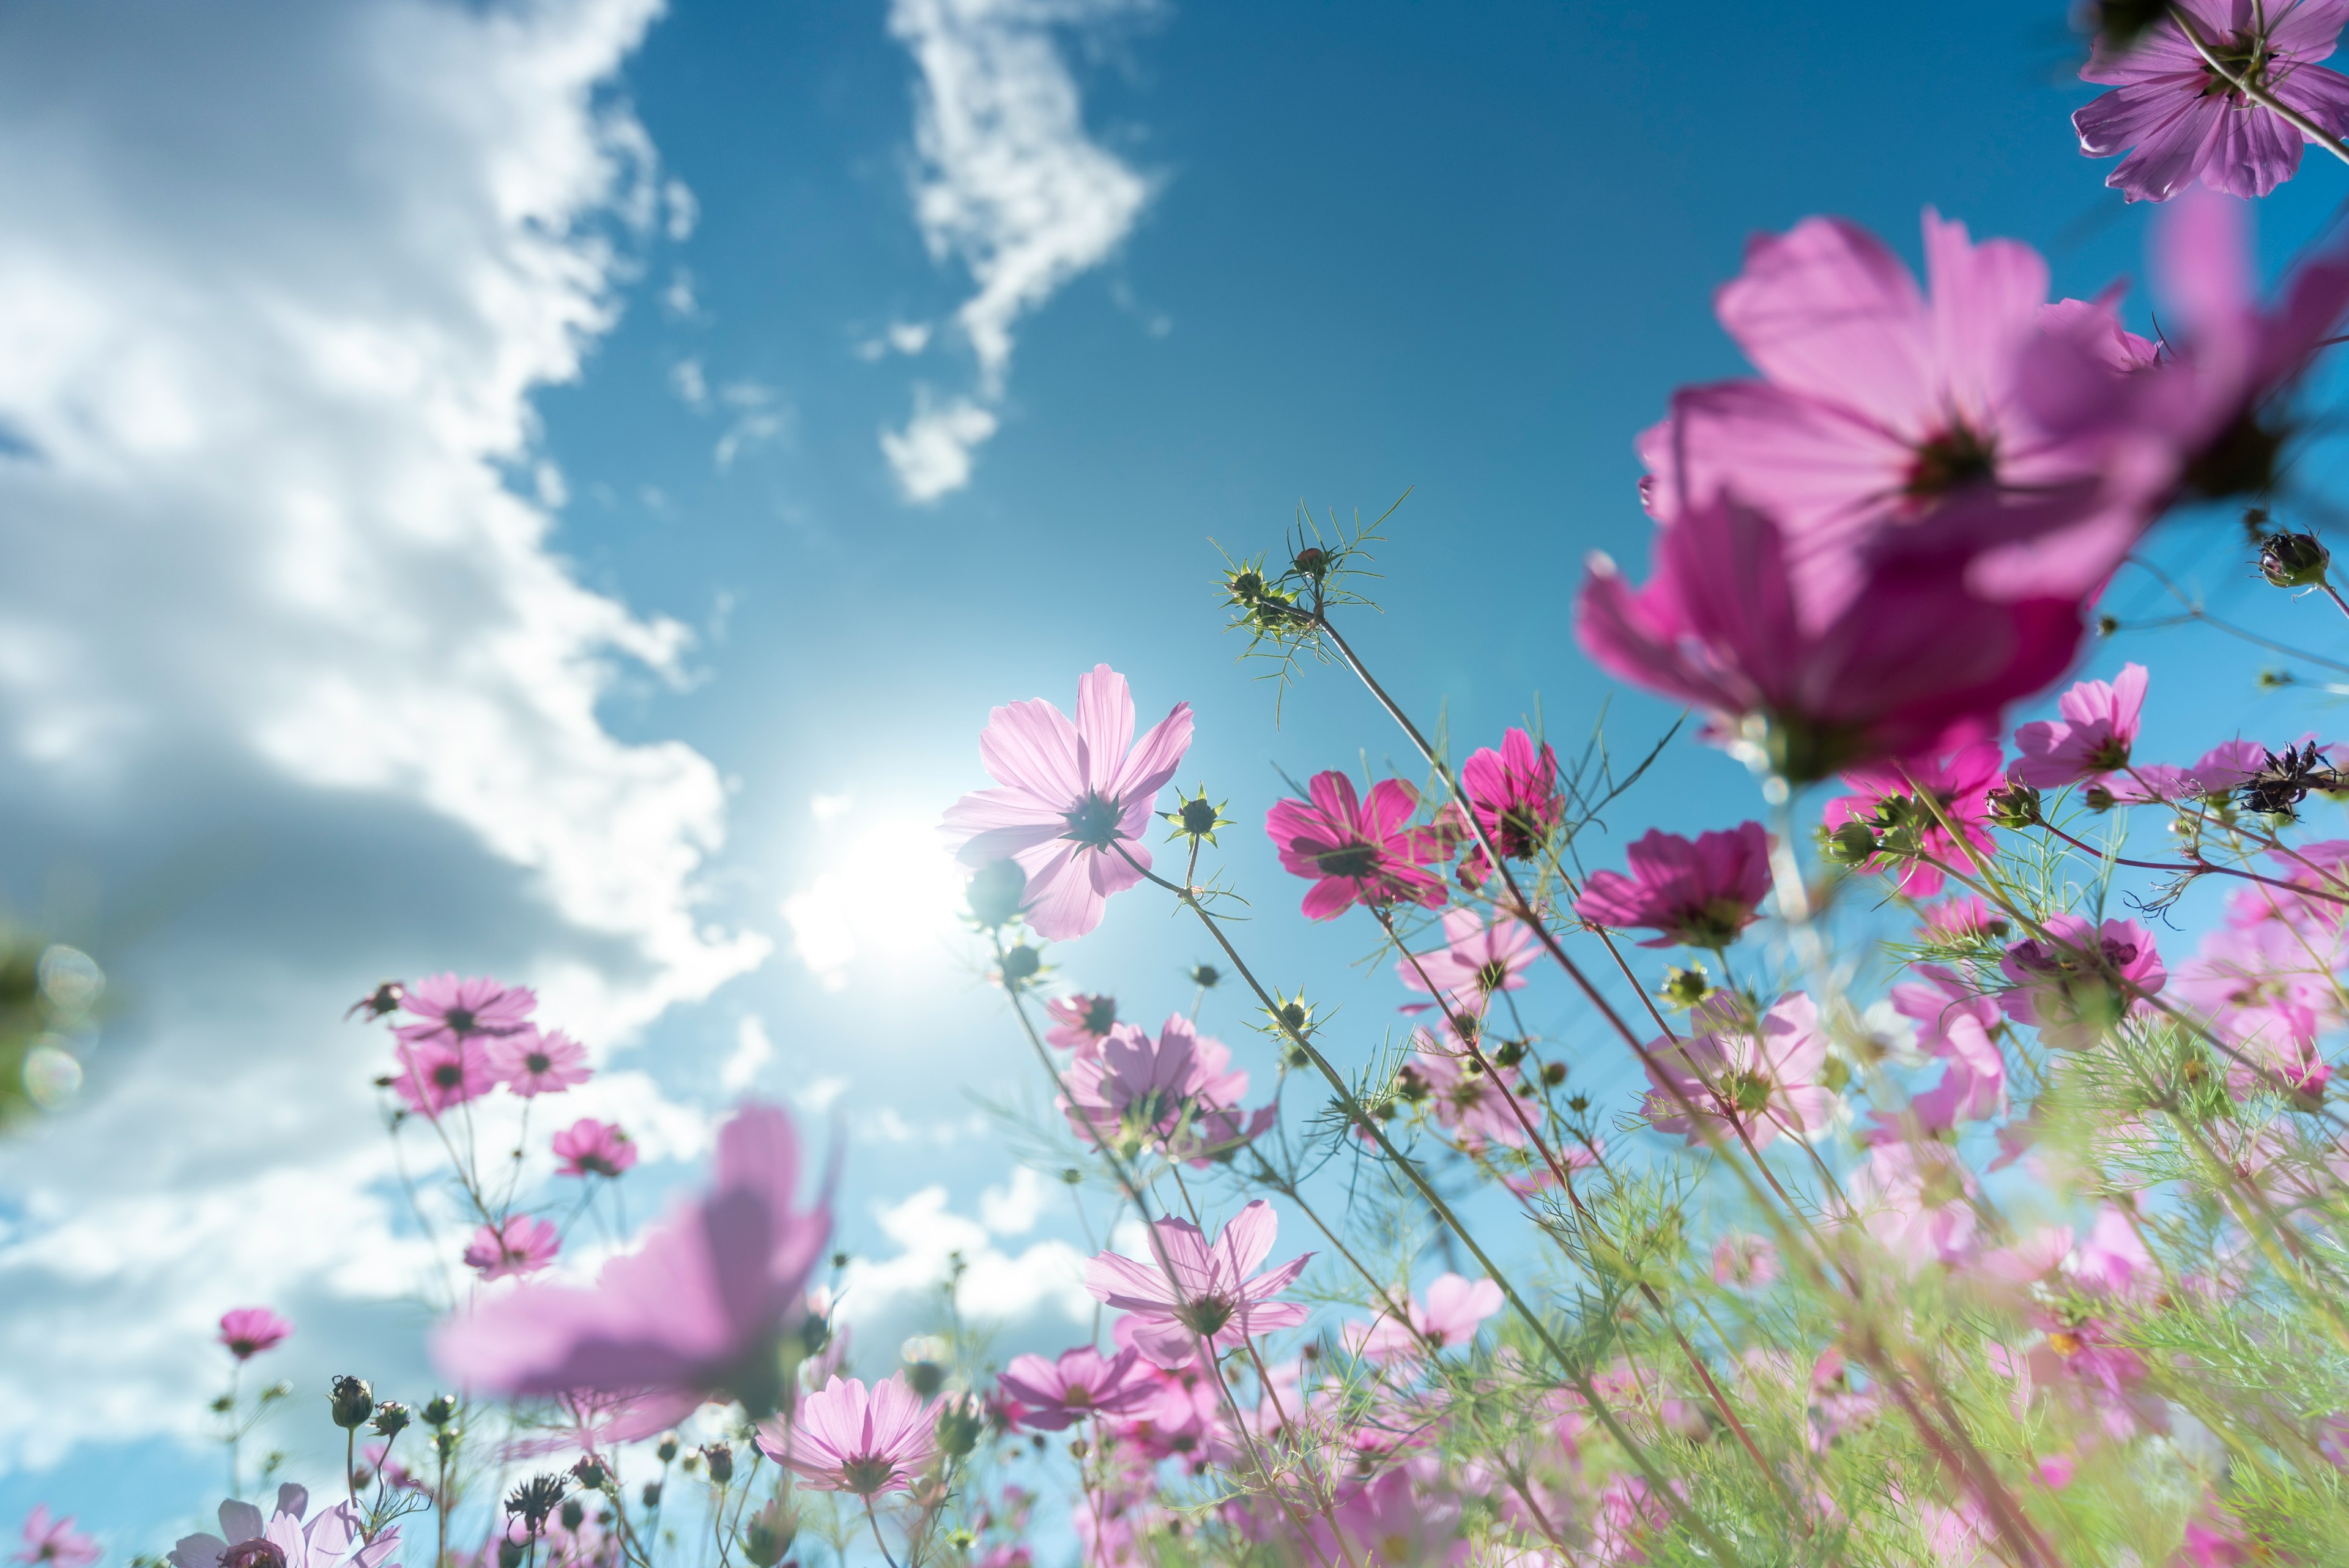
1553	1074
391	1419
960	1422
719	1458
591	1474
1849	844
768	1534
510	1553
573	1514
2013	805
2293	560
652	1494
666	1451
2097	797
1021	964
1508	1053
926	1378
1206	976
440	1410
1311	561
1685	987
351	1401
996	893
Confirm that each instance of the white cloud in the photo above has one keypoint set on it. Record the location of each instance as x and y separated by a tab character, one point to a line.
683	210
687	378
1010	184
679	298
760	415
289	669
753	1051
1041	1287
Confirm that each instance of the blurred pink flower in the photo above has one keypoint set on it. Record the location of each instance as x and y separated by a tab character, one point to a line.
532	1063
2066	986
1203	1291
1140	1089
1356	851
697	1312
1959	783
1081	1383
1515	793
847	1438
1080	1023
2100	723
446	1009
249	1331
1472	1102
2184	119
1392	1521
1963	918
520	1245
1476	959
1915	1196
54	1541
1742	1262
590	1147
1911	663
1699	893
1075	799
1766	1078
1956	1023
440	1072
1447	1315
331	1540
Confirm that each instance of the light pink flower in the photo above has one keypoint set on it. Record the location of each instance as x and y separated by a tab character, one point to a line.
2066	985
1194	1291
1471	1101
1136	1091
697	1312
1476	961
1080	1023
1915	1196
532	1063
2100	723
1699	893
849	1438
1746	1263
443	1072
1964	919
1357	851
1960	784
446	1009
1515	793
1082	1383
1447	1315
248	1331
54	1541
1075	799
2184	119
1393	1523
1954	1022
331	1540
522	1245
590	1147
1766	1078
1913	662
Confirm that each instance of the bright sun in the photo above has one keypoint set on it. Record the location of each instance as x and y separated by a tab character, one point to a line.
886	889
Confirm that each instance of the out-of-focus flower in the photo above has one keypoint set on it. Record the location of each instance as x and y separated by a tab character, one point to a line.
1515	793
1915	1196
1202	1291
447	1010
1136	1090
590	1147
1080	1023
1356	851
1954	1022
2099	725
1964	919
1764	1079
331	1540
52	1540
443	1073
700	1310
248	1331
1697	893
1393	1520
850	1438
1075	800
1447	1315
1746	1263
523	1244
2185	119
1081	1383
530	1062
1476	959
1469	1097
1912	845
2082	979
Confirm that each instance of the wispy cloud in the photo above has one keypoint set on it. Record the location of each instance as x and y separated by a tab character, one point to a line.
1010	184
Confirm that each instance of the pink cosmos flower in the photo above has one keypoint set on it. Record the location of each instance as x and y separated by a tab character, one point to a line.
1964	919
1357	852
248	1331
532	1063
697	1312
1446	1317
1881	405
1080	1023
1202	1292
446	1009
1137	1090
1476	961
1913	662
1080	1384
1959	783
1742	1262
2100	724
51	1541
1698	894
1469	1100
847	1438
1515	793
590	1147
442	1071
331	1539
1955	1024
2185	119
1391	1522
1075	799
1766	1079
1915	1196
522	1245
2066	985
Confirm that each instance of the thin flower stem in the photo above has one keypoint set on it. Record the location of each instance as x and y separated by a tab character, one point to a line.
2335	595
873	1520
2195	867
2260	96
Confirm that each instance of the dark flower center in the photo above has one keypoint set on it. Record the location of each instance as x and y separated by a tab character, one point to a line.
460	1020
1354	860
2243	59
1749	1093
447	1075
2240	461
1208	1316
1713	924
1101	1016
1093	823
538	1062
1491	975
866	1475
1954	459
257	1552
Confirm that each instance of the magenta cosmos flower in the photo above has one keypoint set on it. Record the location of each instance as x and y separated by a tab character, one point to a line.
249	1331
1515	793
1204	1292
1880	404
532	1063
1447	1315
590	1147
1698	894
1136	1090
1474	1103
54	1541
1080	1023
331	1539
697	1312
1356	851
1766	1078
2082	979
1914	663
1476	961
847	1438
522	1244
2099	725
1081	1383
1075	800
446	1009
443	1072
1959	783
2186	120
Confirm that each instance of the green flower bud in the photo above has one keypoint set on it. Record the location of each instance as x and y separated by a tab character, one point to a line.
960	1422
2293	560
996	893
1849	844
352	1401
1021	964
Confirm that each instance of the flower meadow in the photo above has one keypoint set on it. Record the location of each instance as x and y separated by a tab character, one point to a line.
1975	1205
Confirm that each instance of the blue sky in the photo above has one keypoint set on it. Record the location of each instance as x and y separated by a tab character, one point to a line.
488	557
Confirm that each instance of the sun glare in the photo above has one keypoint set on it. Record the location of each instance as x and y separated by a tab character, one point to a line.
886	896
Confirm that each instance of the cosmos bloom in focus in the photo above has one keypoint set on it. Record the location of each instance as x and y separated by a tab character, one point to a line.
1766	1077
249	1331
1476	961
531	1063
1446	1317
440	1072
1140	1088
1208	1291
1356	851
590	1147
331	1540
523	1245
1699	893
2186	120
1081	1383
1075	800
849	1438
55	1543
2082	979
1883	798
448	1009
2099	725
1515	792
